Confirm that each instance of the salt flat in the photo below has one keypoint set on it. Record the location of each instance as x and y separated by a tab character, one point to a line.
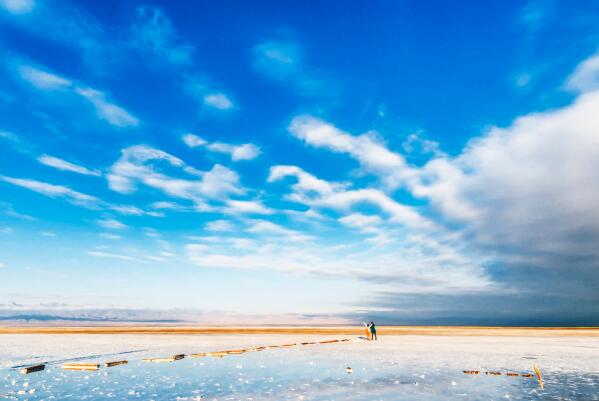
395	367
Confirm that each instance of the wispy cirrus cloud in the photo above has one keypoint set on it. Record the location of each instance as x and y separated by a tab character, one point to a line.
111	236
71	196
247	151
44	80
9	136
101	49
128	210
8	209
138	165
113	114
219	226
55	191
318	193
369	149
153	33
106	110
409	266
282	60
108	255
111	224
64	165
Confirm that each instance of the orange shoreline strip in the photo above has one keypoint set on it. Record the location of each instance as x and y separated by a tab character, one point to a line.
341	330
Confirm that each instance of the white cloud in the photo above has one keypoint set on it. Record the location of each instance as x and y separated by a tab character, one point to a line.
1	265
368	149
110	112
164	205
43	79
55	191
129	210
219	226
247	151
585	77
193	141
306	183
364	223
65	165
532	185
315	192
140	165
111	224
415	143
99	254
209	94
255	207
17	6
111	236
270	228
218	101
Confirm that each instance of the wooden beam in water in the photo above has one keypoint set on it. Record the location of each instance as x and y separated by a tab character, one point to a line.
115	363
539	376
167	359
471	372
81	366
235	351
32	369
219	354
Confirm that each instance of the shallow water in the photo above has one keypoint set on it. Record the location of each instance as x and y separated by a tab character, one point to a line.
318	372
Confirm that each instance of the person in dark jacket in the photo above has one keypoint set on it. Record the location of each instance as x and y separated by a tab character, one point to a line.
372	331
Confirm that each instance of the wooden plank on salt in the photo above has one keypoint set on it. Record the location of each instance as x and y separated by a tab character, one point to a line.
32	369
115	363
81	366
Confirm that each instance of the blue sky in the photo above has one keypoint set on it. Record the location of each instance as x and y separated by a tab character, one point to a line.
427	162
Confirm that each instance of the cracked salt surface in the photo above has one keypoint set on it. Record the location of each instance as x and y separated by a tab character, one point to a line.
414	368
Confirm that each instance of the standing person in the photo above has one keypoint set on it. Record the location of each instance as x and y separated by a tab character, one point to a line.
373	331
367	330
